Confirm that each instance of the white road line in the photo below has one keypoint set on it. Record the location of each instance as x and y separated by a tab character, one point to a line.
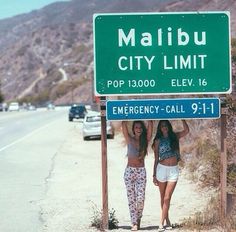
25	137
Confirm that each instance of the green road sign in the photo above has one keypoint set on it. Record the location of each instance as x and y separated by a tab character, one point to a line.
162	53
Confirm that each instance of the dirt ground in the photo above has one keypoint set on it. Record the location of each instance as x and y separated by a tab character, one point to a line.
74	188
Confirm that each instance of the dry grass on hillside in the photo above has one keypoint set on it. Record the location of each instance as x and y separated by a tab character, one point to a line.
201	156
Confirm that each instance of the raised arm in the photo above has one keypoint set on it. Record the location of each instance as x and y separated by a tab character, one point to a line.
125	131
156	154
184	131
149	130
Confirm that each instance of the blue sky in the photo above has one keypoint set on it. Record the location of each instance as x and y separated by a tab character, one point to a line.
9	8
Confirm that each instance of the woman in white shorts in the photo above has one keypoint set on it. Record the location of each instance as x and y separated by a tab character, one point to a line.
165	170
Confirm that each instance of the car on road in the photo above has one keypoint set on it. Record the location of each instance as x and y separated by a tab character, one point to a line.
3	106
14	106
77	111
50	106
31	107
92	126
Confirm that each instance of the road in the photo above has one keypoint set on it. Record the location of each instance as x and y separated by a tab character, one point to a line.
51	178
15	126
29	142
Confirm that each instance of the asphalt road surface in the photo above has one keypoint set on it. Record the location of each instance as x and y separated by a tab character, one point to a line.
29	142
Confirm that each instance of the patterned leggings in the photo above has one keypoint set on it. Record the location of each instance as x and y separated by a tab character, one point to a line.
135	181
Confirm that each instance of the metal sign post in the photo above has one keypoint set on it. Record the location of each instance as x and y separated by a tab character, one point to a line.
104	164
223	166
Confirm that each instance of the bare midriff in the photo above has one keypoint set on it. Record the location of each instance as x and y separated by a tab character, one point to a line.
172	161
135	162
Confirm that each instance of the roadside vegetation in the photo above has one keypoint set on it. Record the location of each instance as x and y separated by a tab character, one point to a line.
96	220
1	95
209	218
53	93
233	52
205	220
201	156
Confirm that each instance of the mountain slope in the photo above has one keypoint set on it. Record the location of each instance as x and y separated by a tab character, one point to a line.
36	45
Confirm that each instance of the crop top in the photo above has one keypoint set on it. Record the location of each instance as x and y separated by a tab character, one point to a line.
165	150
132	151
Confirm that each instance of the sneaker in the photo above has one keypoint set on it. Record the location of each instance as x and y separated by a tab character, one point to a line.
168	227
161	228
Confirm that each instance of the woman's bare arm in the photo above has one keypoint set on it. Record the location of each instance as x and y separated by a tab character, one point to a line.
125	131
149	130
156	156
156	153
185	131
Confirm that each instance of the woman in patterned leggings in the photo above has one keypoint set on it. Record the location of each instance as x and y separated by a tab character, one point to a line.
135	172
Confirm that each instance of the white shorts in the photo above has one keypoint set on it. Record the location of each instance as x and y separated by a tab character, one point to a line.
167	173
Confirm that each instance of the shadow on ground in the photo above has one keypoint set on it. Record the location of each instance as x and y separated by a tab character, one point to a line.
142	228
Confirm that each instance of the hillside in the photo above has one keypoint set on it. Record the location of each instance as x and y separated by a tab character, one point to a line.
36	45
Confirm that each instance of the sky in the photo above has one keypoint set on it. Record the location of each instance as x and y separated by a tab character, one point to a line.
10	8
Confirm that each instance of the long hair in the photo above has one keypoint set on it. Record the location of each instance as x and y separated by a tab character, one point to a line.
143	144
174	141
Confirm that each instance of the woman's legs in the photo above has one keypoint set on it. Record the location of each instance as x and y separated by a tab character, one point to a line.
167	177
135	181
166	191
129	178
162	189
140	190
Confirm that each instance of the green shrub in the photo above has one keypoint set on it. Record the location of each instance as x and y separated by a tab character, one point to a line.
96	220
231	177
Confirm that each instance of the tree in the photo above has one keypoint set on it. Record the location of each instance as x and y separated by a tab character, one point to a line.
1	95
